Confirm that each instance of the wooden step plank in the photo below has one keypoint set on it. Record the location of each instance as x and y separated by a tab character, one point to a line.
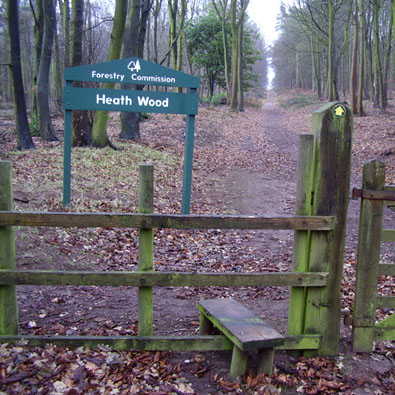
239	324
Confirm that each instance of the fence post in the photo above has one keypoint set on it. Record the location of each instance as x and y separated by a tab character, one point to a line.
297	303
368	259
8	299
332	128
146	249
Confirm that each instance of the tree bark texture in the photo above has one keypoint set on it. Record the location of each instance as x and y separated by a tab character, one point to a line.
99	129
47	131
81	135
24	138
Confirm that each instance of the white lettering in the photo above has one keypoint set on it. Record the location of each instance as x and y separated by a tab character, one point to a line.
116	101
143	101
153	78
146	101
100	99
107	76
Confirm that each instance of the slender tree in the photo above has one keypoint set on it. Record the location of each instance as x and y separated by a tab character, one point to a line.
81	123
47	131
133	45
237	16
24	139
222	9
99	131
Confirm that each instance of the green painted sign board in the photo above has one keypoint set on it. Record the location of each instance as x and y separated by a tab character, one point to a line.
133	71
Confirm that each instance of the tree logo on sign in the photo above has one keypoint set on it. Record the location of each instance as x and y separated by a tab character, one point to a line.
134	66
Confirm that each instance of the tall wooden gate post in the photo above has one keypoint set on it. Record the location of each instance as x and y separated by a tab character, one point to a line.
302	238
146	253
368	259
8	300
332	129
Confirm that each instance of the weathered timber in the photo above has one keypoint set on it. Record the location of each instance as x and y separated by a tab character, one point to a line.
123	343
8	298
384	334
300	342
386	269
373	178
175	221
385	329
331	188
156	343
239	324
302	238
161	279
388	235
374	194
146	250
389	204
244	330
385	302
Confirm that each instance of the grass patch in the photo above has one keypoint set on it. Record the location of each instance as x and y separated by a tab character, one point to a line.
298	100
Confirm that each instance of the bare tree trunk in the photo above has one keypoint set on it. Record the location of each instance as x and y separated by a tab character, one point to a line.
133	45
362	52
99	129
81	123
378	72
353	82
24	139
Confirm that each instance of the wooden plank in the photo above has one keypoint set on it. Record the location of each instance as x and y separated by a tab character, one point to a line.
384	334
386	269
385	302
300	342
122	343
390	205
373	177
374	194
176	221
8	297
161	279
240	325
388	235
388	322
146	251
238	364
302	238
331	185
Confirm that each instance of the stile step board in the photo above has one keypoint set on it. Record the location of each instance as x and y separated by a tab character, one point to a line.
240	325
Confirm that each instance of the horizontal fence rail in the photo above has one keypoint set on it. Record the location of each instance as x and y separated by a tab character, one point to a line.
141	279
175	221
159	343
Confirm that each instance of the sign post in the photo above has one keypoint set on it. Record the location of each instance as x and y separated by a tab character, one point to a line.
138	72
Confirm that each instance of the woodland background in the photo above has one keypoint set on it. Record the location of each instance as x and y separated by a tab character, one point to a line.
338	49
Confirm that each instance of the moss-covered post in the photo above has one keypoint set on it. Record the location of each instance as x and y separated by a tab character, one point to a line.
146	248
8	300
302	238
368	259
332	128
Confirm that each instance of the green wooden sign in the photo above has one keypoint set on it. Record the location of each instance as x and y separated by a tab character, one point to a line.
134	71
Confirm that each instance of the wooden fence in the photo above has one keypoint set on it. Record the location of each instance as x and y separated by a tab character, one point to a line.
314	314
374	197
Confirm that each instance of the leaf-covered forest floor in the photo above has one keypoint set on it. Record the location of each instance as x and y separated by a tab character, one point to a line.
244	163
